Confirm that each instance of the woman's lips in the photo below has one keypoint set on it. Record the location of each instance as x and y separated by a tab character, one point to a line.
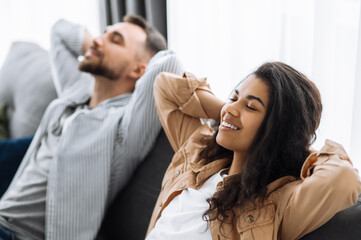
226	125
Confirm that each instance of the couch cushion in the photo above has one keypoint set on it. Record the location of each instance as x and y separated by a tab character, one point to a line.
12	152
129	215
344	225
3	122
26	86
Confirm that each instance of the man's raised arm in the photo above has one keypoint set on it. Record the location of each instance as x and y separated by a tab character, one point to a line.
68	41
141	123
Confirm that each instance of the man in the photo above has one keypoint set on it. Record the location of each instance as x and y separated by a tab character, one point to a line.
88	142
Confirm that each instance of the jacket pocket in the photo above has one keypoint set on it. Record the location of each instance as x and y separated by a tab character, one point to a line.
257	224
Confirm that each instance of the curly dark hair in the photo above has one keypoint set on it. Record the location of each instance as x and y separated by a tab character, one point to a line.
280	146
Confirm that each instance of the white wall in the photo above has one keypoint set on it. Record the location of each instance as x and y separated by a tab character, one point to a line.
31	20
225	40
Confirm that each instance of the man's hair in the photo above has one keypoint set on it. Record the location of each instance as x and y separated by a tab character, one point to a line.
155	41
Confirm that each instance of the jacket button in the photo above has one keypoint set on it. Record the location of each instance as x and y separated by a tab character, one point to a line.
161	204
181	185
176	174
250	219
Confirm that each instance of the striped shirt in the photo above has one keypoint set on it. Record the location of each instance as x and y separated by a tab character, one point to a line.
23	208
100	149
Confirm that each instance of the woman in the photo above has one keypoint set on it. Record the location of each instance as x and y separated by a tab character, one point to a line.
254	176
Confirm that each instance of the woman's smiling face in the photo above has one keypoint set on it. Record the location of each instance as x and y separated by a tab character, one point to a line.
243	114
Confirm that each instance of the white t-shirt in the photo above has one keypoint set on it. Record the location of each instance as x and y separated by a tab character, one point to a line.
182	218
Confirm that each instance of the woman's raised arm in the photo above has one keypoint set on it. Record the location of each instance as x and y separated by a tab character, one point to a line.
330	184
181	102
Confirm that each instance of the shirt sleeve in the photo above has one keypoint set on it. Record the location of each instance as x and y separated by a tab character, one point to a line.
140	124
66	46
330	184
178	105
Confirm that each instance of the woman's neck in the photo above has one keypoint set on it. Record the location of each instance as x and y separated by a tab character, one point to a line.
237	163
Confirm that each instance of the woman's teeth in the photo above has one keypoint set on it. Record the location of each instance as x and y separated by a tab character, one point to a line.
229	125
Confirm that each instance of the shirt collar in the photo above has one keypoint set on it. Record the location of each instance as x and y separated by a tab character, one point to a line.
118	101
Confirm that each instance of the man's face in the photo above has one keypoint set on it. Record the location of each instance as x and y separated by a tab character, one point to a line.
114	53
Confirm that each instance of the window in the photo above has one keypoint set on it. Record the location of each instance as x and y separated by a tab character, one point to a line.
226	40
32	20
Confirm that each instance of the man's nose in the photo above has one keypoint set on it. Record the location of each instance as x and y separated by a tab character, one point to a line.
98	41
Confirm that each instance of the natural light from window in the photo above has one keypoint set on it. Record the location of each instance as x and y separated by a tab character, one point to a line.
226	40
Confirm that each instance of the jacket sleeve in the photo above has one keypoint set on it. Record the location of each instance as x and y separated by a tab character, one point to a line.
330	184
178	105
66	46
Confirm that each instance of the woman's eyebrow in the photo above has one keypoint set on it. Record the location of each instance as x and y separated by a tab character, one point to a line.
251	97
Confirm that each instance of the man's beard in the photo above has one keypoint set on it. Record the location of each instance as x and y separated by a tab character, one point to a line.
97	69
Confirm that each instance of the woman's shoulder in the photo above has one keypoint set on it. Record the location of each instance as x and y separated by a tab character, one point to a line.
198	140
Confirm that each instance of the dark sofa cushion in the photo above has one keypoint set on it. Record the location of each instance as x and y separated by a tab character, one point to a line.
129	215
3	122
12	152
345	225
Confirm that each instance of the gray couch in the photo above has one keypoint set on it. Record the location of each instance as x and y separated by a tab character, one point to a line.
26	86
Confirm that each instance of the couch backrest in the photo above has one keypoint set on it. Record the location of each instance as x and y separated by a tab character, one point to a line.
344	225
129	215
26	87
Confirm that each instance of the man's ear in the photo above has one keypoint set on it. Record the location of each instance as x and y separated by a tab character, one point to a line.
138	70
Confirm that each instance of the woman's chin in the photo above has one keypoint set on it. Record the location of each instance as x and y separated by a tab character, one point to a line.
223	143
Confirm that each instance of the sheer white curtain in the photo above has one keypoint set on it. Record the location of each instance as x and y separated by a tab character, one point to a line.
225	40
32	20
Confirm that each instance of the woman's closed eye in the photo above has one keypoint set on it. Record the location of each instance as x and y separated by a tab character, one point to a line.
248	105
251	108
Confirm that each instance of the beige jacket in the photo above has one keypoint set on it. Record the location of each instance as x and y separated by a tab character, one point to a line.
293	207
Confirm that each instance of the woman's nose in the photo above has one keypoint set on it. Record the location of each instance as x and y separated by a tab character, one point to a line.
232	109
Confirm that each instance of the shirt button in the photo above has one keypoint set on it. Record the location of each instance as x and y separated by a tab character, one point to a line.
250	219
176	174
181	185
